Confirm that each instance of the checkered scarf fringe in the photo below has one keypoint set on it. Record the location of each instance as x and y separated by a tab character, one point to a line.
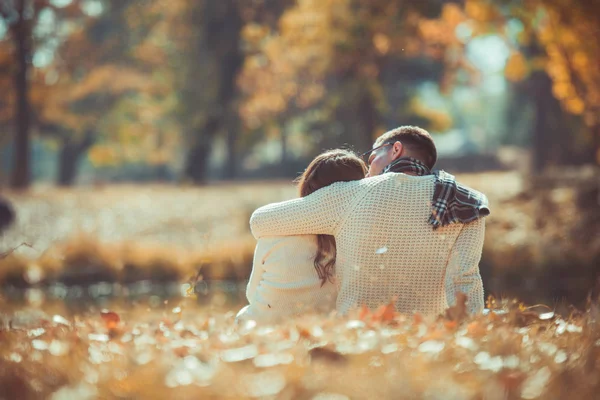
452	202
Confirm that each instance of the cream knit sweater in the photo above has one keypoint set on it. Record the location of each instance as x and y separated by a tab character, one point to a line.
284	281
385	247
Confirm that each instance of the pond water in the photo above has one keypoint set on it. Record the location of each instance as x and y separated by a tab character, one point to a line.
215	296
228	295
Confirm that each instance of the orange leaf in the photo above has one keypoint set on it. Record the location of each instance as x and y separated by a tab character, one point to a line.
512	380
475	329
111	319
363	313
181	351
451	325
304	333
492	316
417	318
385	313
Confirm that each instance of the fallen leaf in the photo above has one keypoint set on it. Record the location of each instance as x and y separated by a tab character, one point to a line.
326	354
475	329
363	313
385	313
458	312
417	318
111	319
451	325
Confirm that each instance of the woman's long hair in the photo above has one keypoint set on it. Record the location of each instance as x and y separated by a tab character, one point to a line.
332	166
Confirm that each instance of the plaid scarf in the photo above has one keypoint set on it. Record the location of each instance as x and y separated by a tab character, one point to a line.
452	202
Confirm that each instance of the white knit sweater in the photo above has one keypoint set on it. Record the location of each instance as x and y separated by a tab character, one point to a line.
385	247
284	281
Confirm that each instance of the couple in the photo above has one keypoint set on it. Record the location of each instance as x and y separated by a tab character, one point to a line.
358	237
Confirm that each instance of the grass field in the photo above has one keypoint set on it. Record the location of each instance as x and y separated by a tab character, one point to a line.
129	233
136	232
189	218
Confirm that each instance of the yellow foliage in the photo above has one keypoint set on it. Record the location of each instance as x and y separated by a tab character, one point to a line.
480	11
573	57
382	43
575	105
158	157
289	65
562	90
452	14
516	67
103	155
567	32
581	60
440	121
150	53
109	78
318	38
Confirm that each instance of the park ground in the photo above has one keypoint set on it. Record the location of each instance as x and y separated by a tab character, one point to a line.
126	291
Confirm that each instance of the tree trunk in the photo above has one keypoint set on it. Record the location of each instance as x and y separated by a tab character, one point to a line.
232	136
7	214
199	154
357	115
70	157
221	25
368	119
22	37
197	163
596	143
541	95
67	164
284	145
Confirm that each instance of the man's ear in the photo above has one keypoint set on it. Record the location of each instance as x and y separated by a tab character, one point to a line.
397	150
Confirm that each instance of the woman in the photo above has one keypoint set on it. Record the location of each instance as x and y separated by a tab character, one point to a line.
295	274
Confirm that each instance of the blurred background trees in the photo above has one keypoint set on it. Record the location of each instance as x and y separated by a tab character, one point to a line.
101	90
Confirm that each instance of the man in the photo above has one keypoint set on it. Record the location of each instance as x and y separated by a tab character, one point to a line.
402	233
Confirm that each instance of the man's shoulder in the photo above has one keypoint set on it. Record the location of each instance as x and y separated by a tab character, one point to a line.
463	192
471	195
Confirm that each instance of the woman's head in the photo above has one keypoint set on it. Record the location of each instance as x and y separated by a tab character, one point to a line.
329	167
332	166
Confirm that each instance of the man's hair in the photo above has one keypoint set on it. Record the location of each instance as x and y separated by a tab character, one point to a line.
417	140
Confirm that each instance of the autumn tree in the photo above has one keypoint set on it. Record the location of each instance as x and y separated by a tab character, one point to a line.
207	37
90	87
553	64
20	28
567	33
22	17
357	62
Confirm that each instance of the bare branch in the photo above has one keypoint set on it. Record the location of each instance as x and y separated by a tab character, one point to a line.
9	252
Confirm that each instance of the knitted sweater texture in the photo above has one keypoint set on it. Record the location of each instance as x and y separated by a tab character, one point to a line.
386	249
284	281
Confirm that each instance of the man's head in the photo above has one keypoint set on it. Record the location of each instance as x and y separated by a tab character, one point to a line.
405	141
